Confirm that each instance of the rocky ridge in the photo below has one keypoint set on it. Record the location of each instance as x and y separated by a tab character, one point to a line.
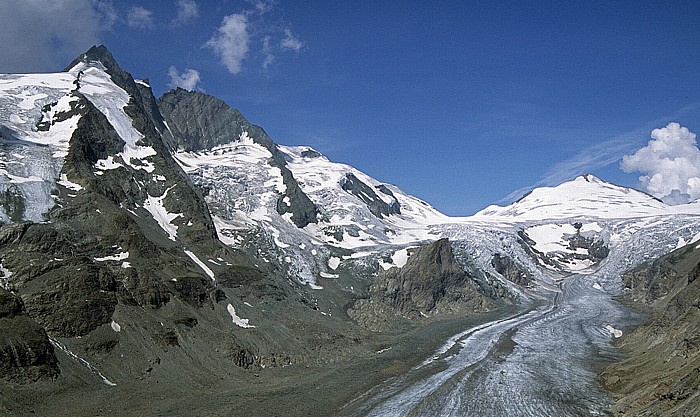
661	372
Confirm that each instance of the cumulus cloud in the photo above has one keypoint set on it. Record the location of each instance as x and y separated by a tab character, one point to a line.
187	79
291	42
671	164
187	10
230	41
36	37
139	17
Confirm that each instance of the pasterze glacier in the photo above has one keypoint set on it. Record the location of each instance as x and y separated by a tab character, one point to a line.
164	256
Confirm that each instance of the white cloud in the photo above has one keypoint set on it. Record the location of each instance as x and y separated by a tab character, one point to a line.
671	164
269	56
188	10
139	17
230	41
291	42
107	14
187	80
42	35
263	6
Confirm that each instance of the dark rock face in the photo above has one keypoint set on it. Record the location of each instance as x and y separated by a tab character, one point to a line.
510	270
661	375
650	282
12	203
73	300
431	283
364	192
68	295
596	249
25	352
199	122
96	139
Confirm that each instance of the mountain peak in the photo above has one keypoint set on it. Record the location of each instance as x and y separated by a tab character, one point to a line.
589	178
585	195
95	54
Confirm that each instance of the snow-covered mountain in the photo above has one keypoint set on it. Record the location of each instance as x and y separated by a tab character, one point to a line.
119	210
585	196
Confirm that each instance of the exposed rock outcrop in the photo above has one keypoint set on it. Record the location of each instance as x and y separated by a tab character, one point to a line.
200	122
661	374
510	270
431	283
26	355
364	192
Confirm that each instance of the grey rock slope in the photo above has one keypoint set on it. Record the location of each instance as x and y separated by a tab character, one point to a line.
201	122
431	283
661	374
126	273
25	352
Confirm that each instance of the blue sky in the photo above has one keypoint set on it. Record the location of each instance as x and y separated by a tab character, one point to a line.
460	103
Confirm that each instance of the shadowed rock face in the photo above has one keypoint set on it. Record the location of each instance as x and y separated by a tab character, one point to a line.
200	122
661	375
510	270
430	283
594	250
25	352
364	192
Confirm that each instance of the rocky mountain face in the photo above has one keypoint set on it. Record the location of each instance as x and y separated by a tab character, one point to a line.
153	249
431	283
661	372
510	270
25	352
123	240
200	122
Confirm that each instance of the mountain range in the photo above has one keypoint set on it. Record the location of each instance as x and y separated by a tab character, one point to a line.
165	256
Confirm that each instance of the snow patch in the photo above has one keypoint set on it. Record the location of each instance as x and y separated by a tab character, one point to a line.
5	278
160	214
681	243
118	257
238	321
400	257
107	164
81	361
333	262
201	264
115	326
613	331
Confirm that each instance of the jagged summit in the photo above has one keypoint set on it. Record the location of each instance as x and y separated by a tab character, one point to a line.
200	121
96	53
